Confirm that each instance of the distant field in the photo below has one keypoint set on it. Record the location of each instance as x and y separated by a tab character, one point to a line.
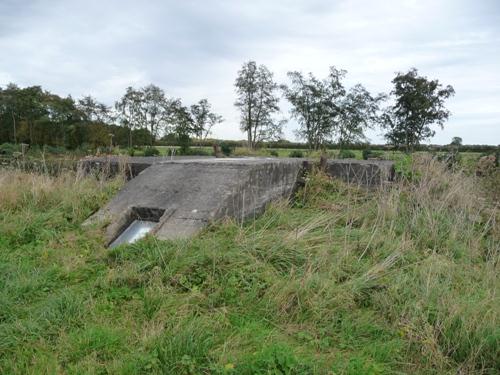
285	152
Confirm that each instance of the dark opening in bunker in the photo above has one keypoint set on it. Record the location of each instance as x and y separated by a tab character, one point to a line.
139	222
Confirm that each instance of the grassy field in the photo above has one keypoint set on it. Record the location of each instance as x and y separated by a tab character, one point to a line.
468	159
342	281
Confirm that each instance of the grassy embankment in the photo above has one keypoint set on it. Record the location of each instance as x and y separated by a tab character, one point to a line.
402	280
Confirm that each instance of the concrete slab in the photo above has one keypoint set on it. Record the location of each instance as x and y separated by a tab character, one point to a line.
368	173
187	194
183	195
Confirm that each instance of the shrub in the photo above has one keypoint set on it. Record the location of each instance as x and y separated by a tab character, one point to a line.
9	148
346	154
55	150
131	151
296	154
371	154
273	153
151	151
184	143
193	152
486	165
403	167
226	148
451	159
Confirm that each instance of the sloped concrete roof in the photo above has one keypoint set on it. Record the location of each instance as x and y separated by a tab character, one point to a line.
185	194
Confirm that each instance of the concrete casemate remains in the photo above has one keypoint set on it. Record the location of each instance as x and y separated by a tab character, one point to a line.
177	198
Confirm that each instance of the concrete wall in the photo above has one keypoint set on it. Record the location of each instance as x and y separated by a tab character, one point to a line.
184	195
192	193
370	173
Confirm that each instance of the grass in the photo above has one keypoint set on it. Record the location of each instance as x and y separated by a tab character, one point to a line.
343	281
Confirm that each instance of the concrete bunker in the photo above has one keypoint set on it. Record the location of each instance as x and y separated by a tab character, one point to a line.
177	198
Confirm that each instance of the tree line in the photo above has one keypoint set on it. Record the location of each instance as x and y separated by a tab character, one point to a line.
38	117
325	109
327	112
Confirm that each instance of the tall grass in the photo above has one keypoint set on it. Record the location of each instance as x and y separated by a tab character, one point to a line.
343	281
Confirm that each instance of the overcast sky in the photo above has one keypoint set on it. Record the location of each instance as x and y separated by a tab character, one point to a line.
193	49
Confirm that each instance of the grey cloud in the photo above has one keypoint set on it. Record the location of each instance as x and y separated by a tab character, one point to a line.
193	49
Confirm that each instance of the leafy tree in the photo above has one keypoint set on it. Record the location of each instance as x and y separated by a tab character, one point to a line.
94	111
325	110
9	110
31	107
129	111
203	118
358	112
156	110
419	103
456	141
183	124
146	108
61	112
258	103
316	104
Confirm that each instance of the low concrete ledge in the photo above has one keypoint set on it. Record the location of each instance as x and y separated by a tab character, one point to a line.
131	165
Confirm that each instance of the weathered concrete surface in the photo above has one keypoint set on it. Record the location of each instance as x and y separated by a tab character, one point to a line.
131	165
184	195
369	173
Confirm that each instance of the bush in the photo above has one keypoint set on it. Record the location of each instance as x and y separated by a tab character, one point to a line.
451	159
193	152
346	154
9	148
131	151
273	153
226	148
296	154
151	151
371	154
54	150
184	143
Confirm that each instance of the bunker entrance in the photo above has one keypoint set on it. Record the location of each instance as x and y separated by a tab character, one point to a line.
139	222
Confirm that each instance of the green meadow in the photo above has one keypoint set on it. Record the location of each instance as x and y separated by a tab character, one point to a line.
399	280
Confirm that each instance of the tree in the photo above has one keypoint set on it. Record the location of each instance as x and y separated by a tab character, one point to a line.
203	118
358	112
9	107
61	112
31	107
93	111
129	112
156	110
258	103
456	141
316	104
183	124
419	103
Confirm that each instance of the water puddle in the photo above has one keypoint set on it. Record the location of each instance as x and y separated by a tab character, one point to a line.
135	231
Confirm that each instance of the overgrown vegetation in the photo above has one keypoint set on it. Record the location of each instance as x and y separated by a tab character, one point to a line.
344	281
